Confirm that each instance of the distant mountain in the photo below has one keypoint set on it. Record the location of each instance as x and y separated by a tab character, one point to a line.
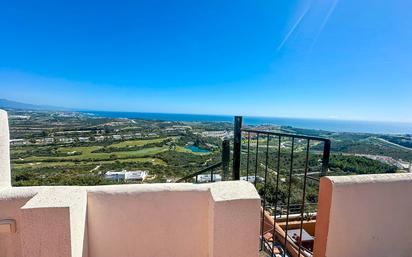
8	104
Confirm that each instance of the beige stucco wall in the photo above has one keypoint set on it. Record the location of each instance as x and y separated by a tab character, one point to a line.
51	221
234	219
4	150
366	215
162	220
54	223
167	220
11	200
148	220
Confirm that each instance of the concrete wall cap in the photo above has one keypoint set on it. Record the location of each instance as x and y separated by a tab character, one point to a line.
56	197
9	193
51	195
372	178
233	190
144	188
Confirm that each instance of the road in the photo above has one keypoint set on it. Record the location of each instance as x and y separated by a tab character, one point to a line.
95	168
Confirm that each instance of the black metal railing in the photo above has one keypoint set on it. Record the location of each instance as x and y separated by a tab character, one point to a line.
196	175
289	163
279	165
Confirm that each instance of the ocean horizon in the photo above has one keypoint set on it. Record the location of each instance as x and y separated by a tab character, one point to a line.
333	125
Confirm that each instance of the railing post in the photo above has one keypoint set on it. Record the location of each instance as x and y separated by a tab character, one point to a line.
325	159
237	140
225	158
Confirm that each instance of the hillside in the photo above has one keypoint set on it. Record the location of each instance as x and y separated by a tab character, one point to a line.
8	104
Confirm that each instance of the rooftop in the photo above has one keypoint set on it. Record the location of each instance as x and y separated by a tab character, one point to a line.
364	215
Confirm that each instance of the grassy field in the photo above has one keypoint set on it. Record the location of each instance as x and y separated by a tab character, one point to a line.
84	155
154	161
140	142
88	155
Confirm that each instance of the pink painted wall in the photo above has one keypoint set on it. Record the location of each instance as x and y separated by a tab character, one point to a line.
10	203
50	221
162	220
167	220
157	223
46	232
234	220
365	215
234	228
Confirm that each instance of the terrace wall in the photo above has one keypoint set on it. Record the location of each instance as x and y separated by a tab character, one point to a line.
166	220
365	215
162	220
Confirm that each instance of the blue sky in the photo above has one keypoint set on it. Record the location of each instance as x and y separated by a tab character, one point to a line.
344	59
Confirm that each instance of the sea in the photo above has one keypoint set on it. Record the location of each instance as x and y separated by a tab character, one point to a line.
375	127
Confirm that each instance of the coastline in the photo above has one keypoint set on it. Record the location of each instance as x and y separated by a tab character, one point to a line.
373	127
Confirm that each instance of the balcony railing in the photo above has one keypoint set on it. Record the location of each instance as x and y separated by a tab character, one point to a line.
279	165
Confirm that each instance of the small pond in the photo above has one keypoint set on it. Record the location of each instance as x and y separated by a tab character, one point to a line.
196	149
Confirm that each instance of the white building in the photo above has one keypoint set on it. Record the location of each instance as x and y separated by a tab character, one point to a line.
23	117
114	175
117	137
66	140
19	141
138	175
252	179
128	136
206	178
83	139
219	134
100	138
49	140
